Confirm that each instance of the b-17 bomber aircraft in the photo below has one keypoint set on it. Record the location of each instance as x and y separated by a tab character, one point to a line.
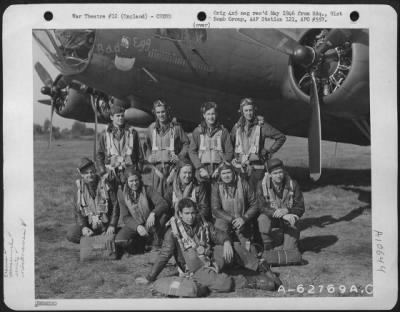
310	83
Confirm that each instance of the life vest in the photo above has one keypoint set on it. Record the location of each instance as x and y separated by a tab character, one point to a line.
187	193
287	197
247	148
140	211
163	145
119	156
196	250
233	205
210	149
95	209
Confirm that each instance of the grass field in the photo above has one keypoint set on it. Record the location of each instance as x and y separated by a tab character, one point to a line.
335	238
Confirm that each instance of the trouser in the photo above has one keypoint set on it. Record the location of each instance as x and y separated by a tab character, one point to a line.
160	184
129	239
244	254
255	176
74	234
208	182
116	177
241	256
219	282
291	234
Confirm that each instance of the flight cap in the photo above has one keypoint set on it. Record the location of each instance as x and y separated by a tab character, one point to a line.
85	162
117	107
274	164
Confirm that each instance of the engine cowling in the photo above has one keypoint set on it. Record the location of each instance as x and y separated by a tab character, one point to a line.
74	103
343	75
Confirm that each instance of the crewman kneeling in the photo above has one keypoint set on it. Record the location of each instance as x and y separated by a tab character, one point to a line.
94	210
234	206
201	251
281	203
143	212
186	185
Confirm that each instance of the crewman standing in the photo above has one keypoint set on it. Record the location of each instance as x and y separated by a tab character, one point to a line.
95	208
119	148
249	136
210	144
169	143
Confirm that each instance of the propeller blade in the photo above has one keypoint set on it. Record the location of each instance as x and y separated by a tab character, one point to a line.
51	121
43	75
314	132
334	38
45	102
271	38
93	101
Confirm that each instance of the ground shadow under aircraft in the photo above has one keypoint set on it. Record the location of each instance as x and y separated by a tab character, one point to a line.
317	243
331	176
323	221
363	195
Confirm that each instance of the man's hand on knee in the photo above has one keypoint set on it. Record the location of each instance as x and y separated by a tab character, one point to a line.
238	223
86	231
142	230
279	213
291	218
228	251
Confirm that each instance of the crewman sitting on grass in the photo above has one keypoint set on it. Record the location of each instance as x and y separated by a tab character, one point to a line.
202	251
144	213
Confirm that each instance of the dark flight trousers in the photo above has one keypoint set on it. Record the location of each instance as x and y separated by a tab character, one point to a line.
255	176
242	256
219	282
208	182
160	184
291	234
222	282
74	234
131	241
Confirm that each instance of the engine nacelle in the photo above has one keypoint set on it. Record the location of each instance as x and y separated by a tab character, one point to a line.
74	103
136	113
138	118
343	77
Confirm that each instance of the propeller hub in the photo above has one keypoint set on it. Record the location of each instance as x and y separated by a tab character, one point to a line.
304	55
46	91
331	65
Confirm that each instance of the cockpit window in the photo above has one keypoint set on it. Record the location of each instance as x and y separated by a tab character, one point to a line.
69	49
198	35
